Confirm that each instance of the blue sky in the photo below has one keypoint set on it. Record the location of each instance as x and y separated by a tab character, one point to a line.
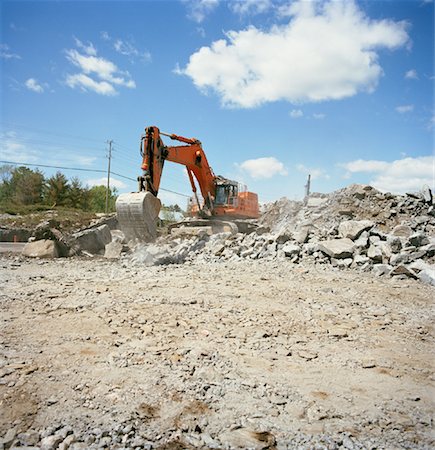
274	90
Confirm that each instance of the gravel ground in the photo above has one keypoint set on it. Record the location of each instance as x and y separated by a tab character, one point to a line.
249	354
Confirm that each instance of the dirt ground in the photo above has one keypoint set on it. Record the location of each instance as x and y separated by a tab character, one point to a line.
251	354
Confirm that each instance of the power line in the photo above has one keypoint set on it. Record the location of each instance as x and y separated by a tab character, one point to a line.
14	163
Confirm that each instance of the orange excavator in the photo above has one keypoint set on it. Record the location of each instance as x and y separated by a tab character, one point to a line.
221	198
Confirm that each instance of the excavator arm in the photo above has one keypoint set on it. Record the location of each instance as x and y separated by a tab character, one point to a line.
154	154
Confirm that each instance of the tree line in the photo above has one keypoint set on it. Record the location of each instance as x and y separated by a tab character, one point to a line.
22	188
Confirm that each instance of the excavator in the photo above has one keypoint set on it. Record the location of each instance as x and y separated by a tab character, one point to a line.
222	200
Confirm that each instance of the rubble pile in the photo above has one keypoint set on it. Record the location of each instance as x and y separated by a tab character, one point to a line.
355	227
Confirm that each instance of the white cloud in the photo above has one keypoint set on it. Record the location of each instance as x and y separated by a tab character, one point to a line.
319	116
327	51
250	7
405	109
411	74
296	113
126	48
106	71
86	83
263	167
34	86
315	173
103	182
5	53
89	49
399	176
199	9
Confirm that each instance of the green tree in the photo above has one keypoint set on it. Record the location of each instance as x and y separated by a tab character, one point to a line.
97	199
56	190
78	195
5	183
26	186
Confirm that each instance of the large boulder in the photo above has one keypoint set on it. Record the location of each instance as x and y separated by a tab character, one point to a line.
353	228
93	240
44	248
337	248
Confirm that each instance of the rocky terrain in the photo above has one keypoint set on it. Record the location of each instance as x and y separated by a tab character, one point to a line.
105	354
313	331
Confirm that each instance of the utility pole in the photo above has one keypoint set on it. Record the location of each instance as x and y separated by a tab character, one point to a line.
307	189
108	175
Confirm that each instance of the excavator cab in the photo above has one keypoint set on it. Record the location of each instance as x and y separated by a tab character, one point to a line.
226	193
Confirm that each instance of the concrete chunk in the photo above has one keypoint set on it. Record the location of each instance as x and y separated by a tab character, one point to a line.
92	240
41	249
113	250
337	248
353	228
291	249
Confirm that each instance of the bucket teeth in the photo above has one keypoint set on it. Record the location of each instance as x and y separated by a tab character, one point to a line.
137	215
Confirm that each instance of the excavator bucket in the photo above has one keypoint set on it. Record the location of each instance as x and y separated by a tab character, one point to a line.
137	215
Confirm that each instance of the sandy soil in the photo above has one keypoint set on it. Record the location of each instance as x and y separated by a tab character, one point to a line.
225	355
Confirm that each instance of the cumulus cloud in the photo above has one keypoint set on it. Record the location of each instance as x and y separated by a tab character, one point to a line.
399	176
266	167
34	86
199	9
86	83
315	173
327	51
250	7
411	75
5	52
103	182
296	113
97	74
404	109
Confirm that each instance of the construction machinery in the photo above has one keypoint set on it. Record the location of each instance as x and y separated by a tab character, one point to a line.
222	200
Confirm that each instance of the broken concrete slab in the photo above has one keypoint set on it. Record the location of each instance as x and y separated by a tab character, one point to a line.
44	248
337	248
93	240
352	229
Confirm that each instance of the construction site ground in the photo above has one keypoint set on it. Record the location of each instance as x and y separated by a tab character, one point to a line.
249	354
